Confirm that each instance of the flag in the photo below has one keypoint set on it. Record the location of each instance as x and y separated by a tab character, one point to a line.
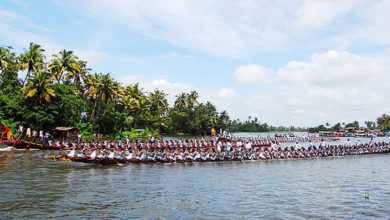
6	132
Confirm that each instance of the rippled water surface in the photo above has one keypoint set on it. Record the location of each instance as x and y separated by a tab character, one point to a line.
32	187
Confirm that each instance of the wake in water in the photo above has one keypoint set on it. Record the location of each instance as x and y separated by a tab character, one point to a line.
6	149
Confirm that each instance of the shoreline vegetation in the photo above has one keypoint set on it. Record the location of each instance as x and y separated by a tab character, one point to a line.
63	91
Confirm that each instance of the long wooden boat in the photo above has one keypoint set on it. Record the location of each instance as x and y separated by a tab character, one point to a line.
7	142
104	161
24	144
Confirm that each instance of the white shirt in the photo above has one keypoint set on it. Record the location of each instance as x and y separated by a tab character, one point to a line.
72	153
93	154
248	146
111	155
130	156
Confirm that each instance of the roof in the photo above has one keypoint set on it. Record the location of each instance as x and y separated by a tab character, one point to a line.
64	128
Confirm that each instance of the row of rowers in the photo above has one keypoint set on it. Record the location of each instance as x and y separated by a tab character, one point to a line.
212	154
173	143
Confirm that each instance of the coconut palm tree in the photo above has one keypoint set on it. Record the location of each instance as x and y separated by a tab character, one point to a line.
32	60
134	91
137	104
103	89
158	101
5	58
39	87
141	111
158	108
181	101
212	113
224	119
192	99
65	63
8	64
79	74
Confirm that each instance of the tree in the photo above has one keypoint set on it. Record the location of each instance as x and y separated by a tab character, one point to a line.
336	127
103	89
353	124
158	102
192	99
39	87
79	74
370	124
137	105
383	122
158	108
224	120
205	118
66	63
181	101
32	60
179	114
9	65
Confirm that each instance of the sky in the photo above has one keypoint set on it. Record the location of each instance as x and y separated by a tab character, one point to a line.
296	62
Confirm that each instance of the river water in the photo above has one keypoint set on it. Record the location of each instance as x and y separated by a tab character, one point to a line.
351	187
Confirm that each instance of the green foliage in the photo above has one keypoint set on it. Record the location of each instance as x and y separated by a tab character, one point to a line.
55	92
384	122
139	134
85	129
353	124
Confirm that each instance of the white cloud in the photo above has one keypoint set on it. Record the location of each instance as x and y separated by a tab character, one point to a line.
6	14
335	86
226	93
253	73
368	28
160	82
216	28
249	27
332	68
314	14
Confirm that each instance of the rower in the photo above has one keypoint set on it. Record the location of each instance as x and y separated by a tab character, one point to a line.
273	145
348	143
311	145
129	156
297	146
72	153
358	142
248	146
228	146
92	156
323	144
111	155
219	145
